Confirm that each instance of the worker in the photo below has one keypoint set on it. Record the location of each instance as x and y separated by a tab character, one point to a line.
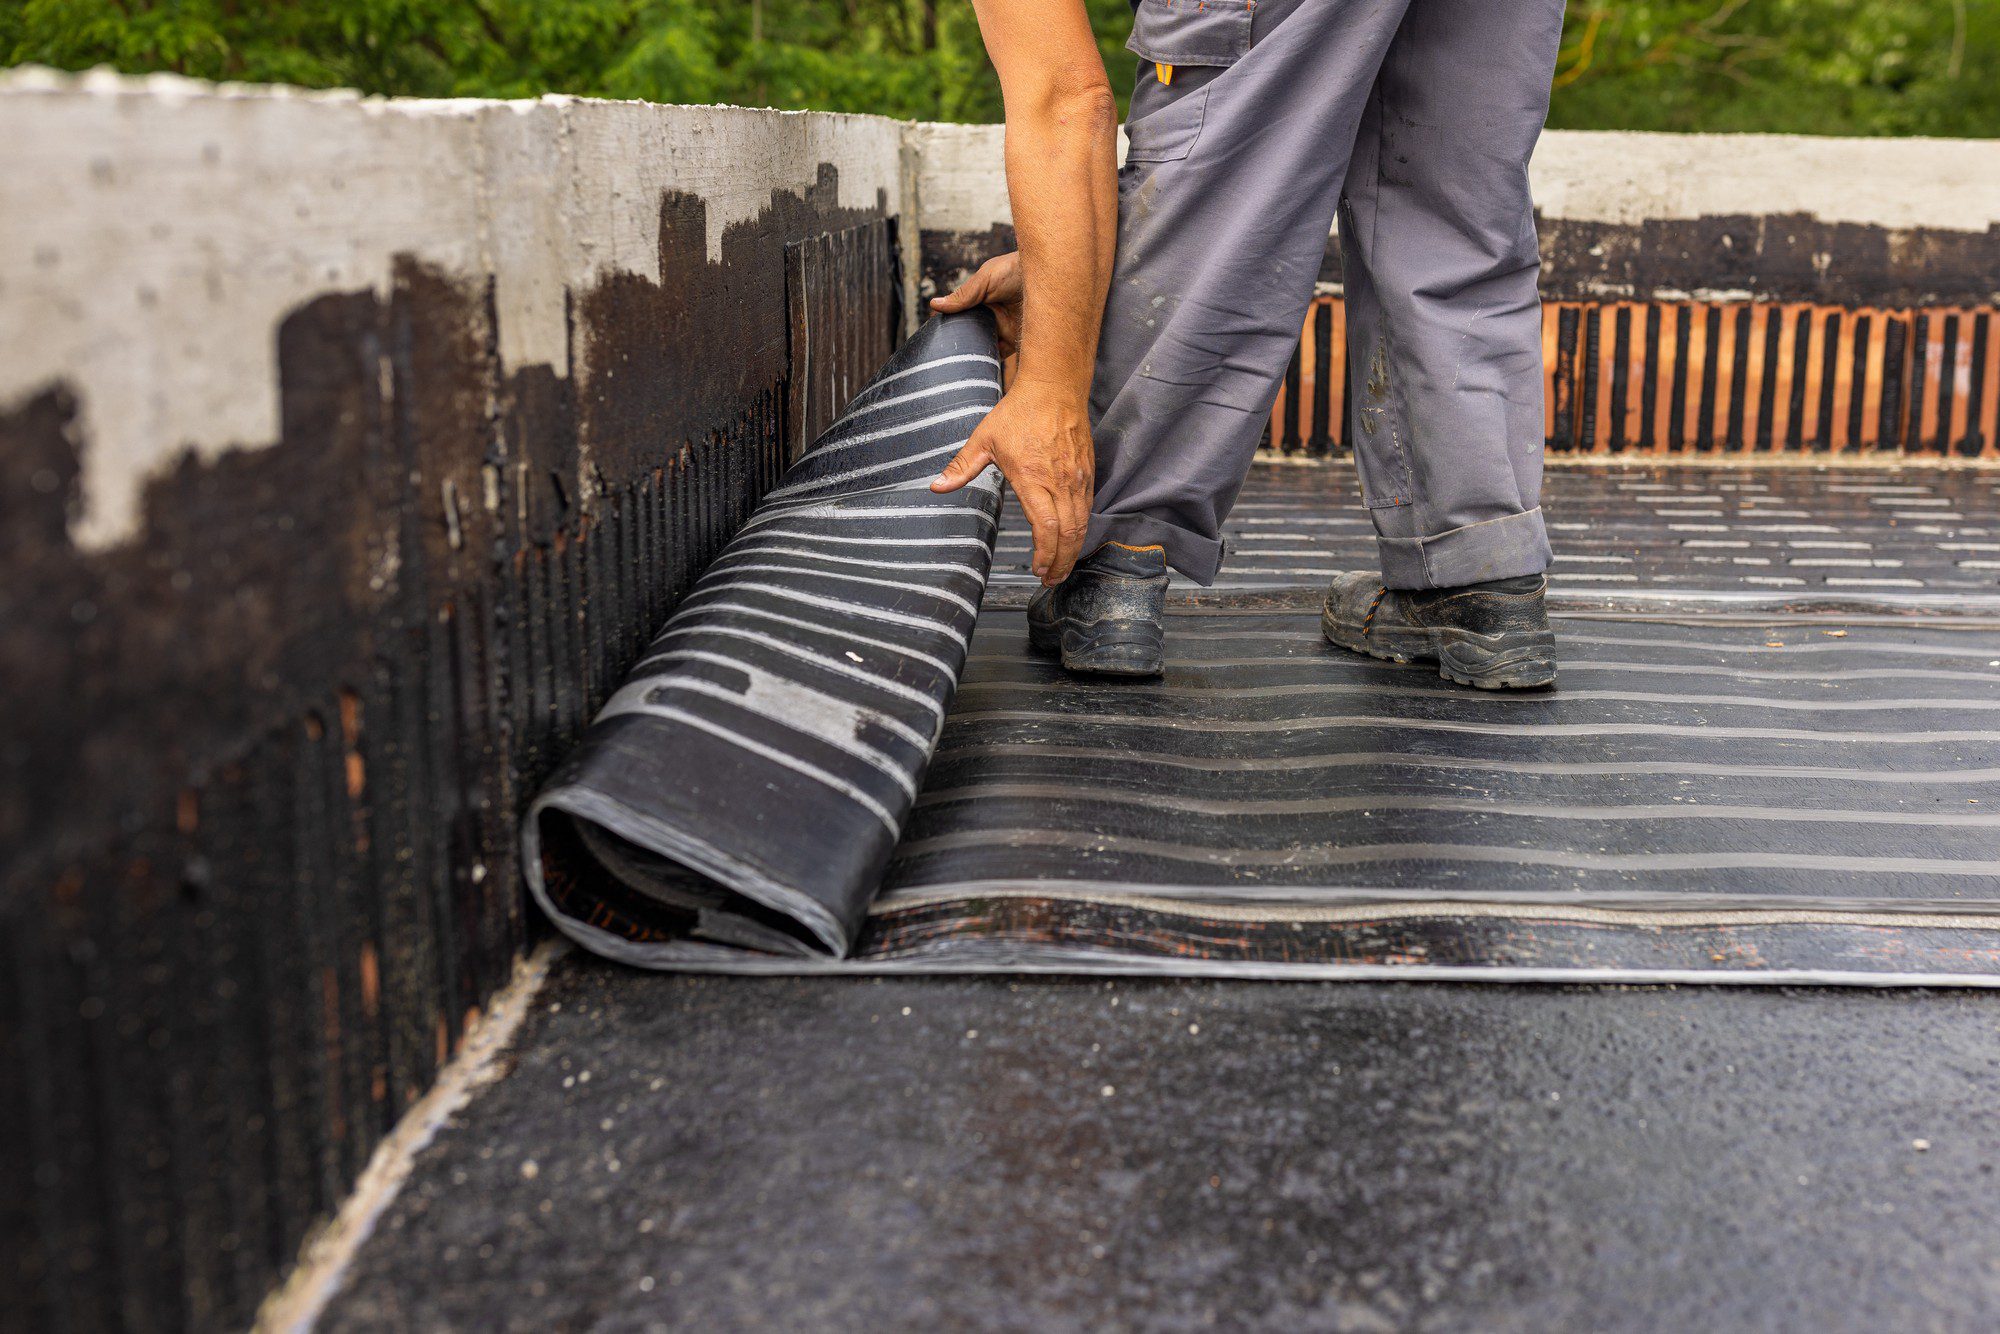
1154	308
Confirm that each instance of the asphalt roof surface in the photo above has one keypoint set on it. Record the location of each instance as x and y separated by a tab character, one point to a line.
987	1153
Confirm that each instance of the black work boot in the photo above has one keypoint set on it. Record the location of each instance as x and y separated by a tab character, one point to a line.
1494	635
1109	616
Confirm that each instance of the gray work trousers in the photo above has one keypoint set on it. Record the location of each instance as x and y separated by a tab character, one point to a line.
1415	118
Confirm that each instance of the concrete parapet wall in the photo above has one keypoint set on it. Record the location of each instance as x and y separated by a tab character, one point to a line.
352	450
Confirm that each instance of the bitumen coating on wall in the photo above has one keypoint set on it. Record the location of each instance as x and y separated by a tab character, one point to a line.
352	451
1057	1154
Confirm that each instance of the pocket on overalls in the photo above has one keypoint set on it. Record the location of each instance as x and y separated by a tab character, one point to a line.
1190	41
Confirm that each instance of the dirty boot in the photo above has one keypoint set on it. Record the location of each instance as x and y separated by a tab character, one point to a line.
1108	617
1494	636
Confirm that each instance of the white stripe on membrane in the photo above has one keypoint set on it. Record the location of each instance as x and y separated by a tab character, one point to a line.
830	510
826	662
797	708
986	483
800	535
1229	807
866	613
949	567
876	716
1570	636
1227	693
929	391
900	428
955	360
1351	855
818	484
838	631
1905	649
1320	662
1692	731
1124	755
901	586
917	489
771	753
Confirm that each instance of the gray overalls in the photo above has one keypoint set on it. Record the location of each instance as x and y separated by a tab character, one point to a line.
1416	118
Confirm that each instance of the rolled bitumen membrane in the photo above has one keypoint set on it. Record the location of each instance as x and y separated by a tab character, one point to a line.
744	789
840	755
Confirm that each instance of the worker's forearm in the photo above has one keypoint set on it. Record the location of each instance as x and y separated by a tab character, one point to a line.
1062	180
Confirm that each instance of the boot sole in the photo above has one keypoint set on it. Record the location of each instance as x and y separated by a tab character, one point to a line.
1106	648
1517	660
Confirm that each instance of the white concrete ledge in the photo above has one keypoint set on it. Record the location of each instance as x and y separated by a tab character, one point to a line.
1623	178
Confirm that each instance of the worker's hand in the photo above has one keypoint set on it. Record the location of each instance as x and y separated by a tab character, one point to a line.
1039	434
997	285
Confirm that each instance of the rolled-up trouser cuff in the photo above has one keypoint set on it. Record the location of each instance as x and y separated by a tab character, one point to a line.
1193	555
1502	548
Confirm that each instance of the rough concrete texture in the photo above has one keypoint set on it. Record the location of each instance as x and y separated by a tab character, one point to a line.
1618	176
1630	177
1624	215
1056	1154
155	232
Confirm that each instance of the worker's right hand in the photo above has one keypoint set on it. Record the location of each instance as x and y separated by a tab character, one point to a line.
997	286
1039	435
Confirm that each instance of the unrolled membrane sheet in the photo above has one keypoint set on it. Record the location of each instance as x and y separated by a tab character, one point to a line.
825	765
746	786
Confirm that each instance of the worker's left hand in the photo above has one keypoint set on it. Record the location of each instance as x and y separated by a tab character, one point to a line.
997	285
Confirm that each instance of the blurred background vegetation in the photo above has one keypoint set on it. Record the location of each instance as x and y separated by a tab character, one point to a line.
1804	66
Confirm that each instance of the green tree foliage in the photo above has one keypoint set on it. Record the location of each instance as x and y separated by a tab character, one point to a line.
1809	66
1795	66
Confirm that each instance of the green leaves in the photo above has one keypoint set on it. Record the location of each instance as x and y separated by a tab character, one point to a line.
1809	66
1798	66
